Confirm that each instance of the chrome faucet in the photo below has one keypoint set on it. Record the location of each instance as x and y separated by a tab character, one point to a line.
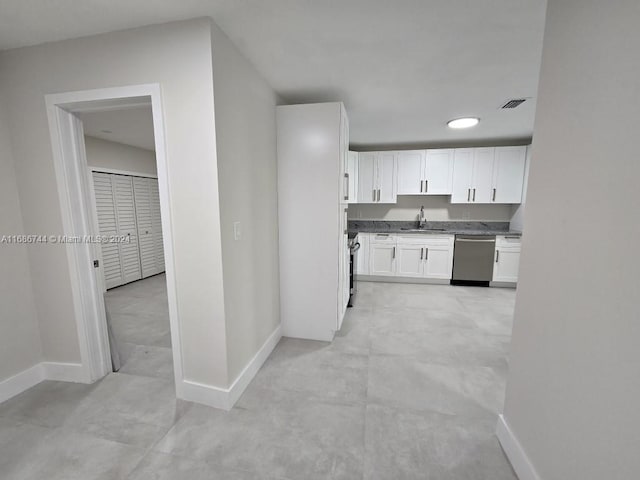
421	220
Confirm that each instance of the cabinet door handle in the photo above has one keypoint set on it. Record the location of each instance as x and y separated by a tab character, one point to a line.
421	253
426	253
493	199
497	255
346	184
474	194
426	186
468	194
421	182
394	252
374	194
378	194
346	221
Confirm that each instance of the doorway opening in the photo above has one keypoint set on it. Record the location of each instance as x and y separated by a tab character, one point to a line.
111	168
120	153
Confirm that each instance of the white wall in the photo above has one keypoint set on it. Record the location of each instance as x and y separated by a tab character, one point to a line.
574	384
517	211
436	207
247	169
118	156
178	57
20	346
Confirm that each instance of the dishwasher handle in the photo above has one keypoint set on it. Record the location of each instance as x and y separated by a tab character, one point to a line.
478	240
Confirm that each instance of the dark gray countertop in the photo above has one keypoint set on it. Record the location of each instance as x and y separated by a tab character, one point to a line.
432	228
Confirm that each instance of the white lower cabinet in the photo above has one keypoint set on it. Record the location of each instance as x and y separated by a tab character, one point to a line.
438	261
411	256
362	256
410	261
382	255
426	256
506	259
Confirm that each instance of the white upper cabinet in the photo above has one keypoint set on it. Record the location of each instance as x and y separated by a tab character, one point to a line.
508	174
462	175
488	175
367	181
377	177
425	172
387	177
438	172
470	175
483	159
352	178
411	172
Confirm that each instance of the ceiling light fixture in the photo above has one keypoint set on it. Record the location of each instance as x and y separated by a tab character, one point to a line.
465	122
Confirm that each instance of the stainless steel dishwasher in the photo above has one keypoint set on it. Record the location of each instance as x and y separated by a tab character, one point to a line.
473	260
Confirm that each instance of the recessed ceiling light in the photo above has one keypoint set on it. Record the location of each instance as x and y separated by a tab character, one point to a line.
465	122
106	131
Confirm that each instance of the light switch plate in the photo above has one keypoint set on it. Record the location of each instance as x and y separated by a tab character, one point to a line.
237	234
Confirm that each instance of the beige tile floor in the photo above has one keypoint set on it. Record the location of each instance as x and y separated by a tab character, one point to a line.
410	389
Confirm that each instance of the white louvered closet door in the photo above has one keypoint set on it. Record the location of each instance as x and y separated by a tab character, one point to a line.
142	191
126	220
156	224
108	226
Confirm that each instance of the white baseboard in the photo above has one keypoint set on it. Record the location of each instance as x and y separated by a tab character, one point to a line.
225	398
20	382
204	394
65	372
243	380
515	453
62	372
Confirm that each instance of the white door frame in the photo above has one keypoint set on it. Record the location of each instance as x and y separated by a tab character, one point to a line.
78	216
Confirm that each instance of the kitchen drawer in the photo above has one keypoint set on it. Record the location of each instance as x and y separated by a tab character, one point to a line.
383	238
422	239
508	241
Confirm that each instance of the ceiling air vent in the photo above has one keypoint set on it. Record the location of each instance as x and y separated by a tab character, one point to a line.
514	103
